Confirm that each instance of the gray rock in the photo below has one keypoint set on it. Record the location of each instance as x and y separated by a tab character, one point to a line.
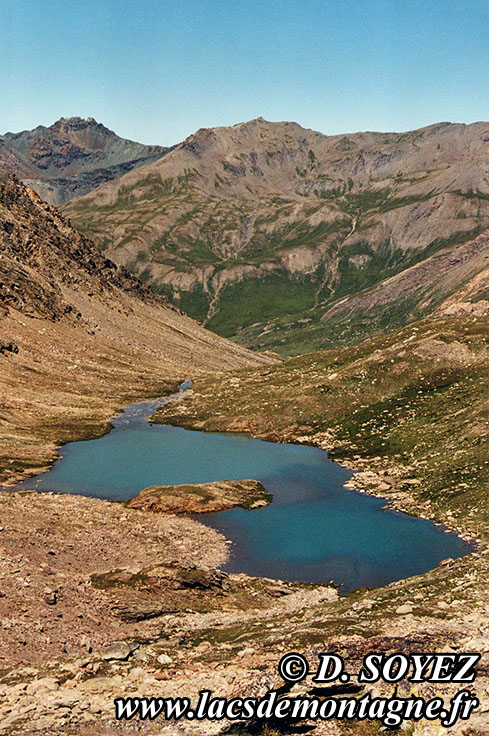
404	609
120	650
164	659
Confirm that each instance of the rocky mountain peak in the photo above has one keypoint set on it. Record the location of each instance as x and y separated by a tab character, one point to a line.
71	157
78	122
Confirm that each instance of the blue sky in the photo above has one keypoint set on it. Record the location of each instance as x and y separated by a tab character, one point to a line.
157	70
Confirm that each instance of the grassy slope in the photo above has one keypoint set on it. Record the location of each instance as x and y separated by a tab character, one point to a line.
413	407
379	300
241	308
412	404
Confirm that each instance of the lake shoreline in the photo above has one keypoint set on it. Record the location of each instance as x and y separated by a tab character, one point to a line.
218	649
397	499
312	485
364	480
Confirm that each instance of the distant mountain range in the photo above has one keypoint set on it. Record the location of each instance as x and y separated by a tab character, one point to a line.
262	229
71	157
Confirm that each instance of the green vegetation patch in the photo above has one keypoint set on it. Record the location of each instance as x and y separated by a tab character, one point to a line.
195	303
245	302
379	264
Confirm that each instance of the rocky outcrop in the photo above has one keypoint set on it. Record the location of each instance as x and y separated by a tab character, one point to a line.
199	498
458	309
7	346
42	256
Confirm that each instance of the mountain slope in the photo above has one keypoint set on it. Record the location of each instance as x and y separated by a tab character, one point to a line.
253	222
79	336
71	157
409	410
455	280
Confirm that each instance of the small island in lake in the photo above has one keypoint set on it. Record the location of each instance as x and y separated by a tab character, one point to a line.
199	498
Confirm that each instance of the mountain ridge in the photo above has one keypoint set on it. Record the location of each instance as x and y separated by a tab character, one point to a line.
244	224
71	157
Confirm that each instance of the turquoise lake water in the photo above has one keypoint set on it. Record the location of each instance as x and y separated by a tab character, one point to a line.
314	530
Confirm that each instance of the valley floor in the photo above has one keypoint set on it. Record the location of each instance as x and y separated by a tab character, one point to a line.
134	602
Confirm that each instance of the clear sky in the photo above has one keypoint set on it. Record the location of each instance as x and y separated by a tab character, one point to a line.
157	70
